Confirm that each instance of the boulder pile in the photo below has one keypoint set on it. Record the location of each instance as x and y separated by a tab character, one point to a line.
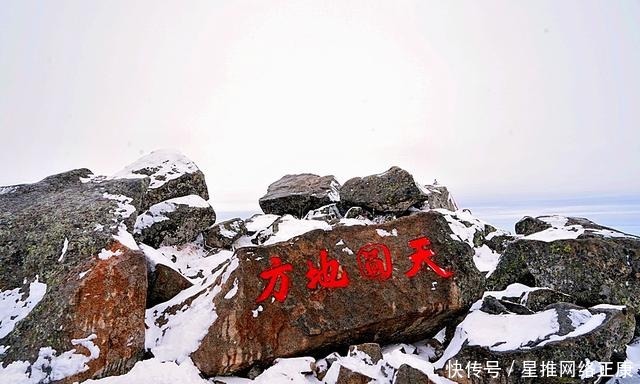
128	278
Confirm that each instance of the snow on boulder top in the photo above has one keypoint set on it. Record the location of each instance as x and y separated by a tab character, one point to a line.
556	227
160	166
170	174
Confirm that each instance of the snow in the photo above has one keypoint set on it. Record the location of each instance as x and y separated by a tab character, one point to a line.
583	320
232	292
125	208
383	233
334	193
157	212
6	190
486	259
155	371
173	337
125	238
81	275
256	312
15	307
464	227
561	231
351	222
347	250
290	227
609	306
258	223
49	366
65	246
106	254
165	165
230	233
191	260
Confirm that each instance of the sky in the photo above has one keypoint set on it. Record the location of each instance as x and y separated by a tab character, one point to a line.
499	100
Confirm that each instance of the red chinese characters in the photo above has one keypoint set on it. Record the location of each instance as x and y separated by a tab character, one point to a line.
277	272
374	262
423	254
330	273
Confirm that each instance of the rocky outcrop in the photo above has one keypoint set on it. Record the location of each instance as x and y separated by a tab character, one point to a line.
298	194
561	333
606	261
79	278
324	304
174	221
170	173
393	191
224	234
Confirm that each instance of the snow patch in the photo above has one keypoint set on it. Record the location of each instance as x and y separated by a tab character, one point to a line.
383	233
13	307
163	165
65	246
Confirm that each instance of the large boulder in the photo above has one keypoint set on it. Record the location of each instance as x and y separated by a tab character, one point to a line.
175	221
73	280
606	261
171	174
298	194
531	348
376	286
393	191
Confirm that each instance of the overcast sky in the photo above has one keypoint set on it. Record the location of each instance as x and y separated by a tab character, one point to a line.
492	98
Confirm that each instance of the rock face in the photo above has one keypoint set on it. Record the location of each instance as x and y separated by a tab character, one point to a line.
606	261
171	174
439	197
574	334
222	235
78	276
174	221
378	303
298	194
393	191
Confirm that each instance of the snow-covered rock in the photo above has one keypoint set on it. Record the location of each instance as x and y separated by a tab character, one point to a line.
171	175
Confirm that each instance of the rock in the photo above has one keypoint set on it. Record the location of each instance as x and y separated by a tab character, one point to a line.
298	194
372	352
597	334
224	234
174	221
549	228
495	306
357	213
540	299
77	275
409	375
171	175
328	213
372	307
347	376
164	283
593	269
393	191
438	197
529	225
